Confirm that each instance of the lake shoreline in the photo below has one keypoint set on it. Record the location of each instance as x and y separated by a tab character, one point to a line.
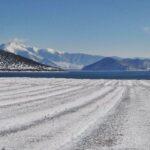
139	75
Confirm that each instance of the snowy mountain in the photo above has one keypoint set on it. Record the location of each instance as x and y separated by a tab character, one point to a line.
12	62
50	56
109	64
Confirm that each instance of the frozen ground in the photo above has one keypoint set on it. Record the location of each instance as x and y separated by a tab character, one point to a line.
71	114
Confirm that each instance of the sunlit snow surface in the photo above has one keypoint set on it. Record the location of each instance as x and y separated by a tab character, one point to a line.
71	114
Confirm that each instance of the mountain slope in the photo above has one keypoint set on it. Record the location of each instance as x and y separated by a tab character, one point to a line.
110	64
136	64
105	64
50	56
12	62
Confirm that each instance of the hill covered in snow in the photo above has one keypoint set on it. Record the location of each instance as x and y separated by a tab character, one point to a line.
12	62
50	56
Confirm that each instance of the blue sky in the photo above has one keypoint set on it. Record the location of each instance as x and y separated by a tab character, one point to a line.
104	27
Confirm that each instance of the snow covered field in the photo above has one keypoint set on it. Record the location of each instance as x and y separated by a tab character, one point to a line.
71	114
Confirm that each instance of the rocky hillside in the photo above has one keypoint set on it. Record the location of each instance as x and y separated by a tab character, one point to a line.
12	62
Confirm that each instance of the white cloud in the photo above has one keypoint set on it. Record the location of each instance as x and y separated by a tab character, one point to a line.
146	29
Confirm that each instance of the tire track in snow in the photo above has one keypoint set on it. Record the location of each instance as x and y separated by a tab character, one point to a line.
94	119
74	106
107	134
31	92
85	122
46	103
24	91
36	98
74	125
80	109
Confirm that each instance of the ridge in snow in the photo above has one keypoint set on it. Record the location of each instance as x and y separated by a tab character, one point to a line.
19	47
17	44
14	45
49	56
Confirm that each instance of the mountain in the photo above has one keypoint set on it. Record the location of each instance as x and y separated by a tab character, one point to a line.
50	56
136	64
12	62
107	63
111	64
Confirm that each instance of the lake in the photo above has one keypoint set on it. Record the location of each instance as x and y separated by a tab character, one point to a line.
82	74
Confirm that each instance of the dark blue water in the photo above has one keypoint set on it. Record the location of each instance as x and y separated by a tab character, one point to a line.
82	74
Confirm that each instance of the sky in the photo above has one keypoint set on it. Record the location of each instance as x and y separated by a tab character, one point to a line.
103	27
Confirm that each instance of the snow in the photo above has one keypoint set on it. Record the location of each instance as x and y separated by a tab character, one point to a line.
71	114
9	61
14	45
49	56
18	46
67	65
53	51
